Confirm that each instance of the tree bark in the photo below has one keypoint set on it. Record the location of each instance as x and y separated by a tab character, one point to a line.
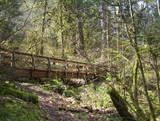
158	7
135	83
62	35
43	28
120	105
81	34
135	45
155	68
104	37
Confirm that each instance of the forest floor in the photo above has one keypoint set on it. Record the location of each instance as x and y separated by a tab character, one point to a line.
60	108
15	109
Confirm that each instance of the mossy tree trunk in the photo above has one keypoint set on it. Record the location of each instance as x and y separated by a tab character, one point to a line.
120	105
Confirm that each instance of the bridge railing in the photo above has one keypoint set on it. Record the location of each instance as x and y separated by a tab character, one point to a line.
35	63
21	60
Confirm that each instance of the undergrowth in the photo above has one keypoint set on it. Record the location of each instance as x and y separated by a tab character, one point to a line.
58	86
8	88
13	109
18	105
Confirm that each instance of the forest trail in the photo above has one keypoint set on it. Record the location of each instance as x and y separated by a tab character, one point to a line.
60	108
50	103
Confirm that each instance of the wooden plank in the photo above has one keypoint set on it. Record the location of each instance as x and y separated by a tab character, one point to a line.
19	73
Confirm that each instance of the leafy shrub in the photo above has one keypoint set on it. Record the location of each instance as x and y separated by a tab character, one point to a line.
56	82
69	93
55	85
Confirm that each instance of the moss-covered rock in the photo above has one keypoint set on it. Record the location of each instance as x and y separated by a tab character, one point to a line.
10	89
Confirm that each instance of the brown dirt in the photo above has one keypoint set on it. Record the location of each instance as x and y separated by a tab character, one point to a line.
60	108
51	103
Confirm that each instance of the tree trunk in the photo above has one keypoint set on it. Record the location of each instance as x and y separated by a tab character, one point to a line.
43	28
158	7
104	37
145	87
134	96
120	105
81	35
62	35
156	69
135	45
135	83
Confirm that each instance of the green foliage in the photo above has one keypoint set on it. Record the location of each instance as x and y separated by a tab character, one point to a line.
57	86
8	24
114	118
69	93
95	96
12	109
109	77
62	20
6	73
150	0
27	80
72	92
82	116
12	90
57	82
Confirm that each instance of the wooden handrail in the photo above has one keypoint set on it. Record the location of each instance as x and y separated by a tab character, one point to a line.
39	56
36	62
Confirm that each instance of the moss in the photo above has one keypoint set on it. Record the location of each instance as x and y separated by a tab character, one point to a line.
82	116
12	109
120	105
114	118
69	93
11	89
56	82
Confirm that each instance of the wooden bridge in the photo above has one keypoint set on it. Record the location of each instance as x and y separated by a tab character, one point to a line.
33	66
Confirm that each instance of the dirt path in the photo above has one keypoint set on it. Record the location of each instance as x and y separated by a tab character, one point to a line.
60	108
51	103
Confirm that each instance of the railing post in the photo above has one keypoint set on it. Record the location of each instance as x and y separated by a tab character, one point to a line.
72	67
13	60
33	65
33	62
49	64
49	67
1	58
86	72
94	68
65	69
78	70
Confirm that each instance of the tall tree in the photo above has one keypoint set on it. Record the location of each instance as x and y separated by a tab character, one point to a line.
104	39
158	6
43	27
8	23
134	42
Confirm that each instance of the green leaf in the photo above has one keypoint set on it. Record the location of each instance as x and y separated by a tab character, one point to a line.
149	0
